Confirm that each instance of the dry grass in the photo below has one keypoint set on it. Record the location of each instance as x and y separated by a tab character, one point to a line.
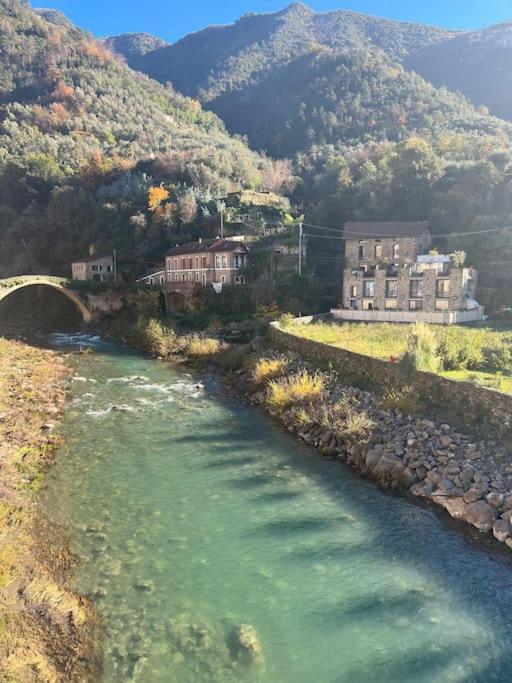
299	388
197	346
42	623
266	369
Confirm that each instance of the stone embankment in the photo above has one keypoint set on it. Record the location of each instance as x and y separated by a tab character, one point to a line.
471	480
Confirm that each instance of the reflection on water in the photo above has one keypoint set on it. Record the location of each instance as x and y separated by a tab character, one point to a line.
195	514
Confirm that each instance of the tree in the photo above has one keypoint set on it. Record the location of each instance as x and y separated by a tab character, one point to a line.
156	197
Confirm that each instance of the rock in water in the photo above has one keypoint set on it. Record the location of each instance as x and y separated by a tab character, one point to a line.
246	645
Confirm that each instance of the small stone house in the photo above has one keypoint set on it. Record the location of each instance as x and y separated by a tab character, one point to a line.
96	268
390	274
218	263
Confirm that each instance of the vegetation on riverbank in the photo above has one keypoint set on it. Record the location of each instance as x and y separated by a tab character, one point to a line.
46	630
470	479
476	354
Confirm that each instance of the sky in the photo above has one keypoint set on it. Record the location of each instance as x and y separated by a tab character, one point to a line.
172	19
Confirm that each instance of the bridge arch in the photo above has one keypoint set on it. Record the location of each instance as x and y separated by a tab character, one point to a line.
11	285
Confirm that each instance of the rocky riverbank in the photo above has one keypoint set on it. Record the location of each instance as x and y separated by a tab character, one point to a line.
47	632
471	480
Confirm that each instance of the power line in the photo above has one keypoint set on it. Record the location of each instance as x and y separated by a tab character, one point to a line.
354	233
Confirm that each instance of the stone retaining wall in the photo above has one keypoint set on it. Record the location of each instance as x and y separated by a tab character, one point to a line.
470	406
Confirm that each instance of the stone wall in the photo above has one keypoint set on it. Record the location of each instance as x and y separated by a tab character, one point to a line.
473	408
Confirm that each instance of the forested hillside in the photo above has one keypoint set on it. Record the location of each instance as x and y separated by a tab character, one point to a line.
133	45
296	78
478	64
83	139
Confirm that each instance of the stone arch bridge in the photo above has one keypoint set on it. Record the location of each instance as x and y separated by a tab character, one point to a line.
13	284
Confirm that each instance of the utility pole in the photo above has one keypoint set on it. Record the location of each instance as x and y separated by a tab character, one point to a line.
115	266
222	221
300	248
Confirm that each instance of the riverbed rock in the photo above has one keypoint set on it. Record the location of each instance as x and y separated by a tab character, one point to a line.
481	515
501	530
456	507
246	646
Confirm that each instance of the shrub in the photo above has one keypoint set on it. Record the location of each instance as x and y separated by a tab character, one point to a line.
156	338
350	423
459	348
501	358
402	397
197	346
421	354
268	368
302	387
267	314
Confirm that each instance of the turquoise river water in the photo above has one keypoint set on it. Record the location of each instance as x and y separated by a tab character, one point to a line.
193	513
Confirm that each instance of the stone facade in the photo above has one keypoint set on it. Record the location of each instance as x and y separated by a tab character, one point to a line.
394	274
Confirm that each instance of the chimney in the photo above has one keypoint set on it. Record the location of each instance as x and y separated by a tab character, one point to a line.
92	249
200	240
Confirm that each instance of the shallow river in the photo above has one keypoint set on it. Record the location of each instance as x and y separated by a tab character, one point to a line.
194	514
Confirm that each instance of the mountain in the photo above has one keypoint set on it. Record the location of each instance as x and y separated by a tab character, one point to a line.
82	140
477	63
64	94
217	59
131	46
296	78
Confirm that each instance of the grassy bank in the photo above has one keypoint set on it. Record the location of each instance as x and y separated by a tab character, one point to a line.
46	630
481	355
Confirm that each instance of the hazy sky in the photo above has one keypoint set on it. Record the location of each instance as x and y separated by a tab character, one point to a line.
171	19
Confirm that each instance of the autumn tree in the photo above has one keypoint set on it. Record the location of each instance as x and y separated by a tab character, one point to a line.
156	196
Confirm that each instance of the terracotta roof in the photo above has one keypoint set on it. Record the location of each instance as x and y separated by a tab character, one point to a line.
207	246
359	230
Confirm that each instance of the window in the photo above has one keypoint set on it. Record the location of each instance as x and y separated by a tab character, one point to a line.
224	261
353	291
184	277
378	251
151	281
197	276
369	288
176	277
361	251
441	305
367	305
396	251
391	288
203	279
197	261
109	269
183	263
203	261
175	264
94	267
391	304
223	278
191	263
217	261
443	288
190	277
415	305
416	289
353	304
161	279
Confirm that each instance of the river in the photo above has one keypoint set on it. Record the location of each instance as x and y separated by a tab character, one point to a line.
193	513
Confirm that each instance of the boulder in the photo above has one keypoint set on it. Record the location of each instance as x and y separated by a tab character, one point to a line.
455	507
501	530
481	515
373	457
246	646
